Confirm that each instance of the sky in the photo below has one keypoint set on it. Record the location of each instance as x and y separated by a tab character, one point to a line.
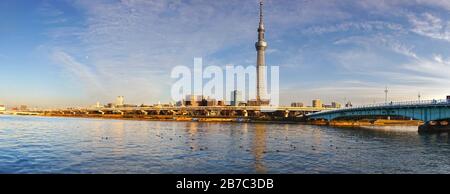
76	52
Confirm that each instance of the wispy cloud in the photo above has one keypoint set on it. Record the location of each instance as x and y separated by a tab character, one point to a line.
82	72
361	27
128	47
138	42
431	26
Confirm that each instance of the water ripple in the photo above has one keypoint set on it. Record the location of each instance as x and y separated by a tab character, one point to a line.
62	145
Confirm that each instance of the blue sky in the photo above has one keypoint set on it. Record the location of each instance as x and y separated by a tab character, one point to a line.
68	52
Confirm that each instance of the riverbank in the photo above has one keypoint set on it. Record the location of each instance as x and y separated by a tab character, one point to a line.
360	123
177	118
339	123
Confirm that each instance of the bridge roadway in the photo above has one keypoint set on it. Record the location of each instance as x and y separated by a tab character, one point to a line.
434	113
243	111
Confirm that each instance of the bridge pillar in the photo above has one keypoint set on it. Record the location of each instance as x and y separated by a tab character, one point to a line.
434	127
101	112
144	112
286	113
245	113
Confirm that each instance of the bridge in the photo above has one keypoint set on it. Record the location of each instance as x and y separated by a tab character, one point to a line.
189	111
19	113
434	113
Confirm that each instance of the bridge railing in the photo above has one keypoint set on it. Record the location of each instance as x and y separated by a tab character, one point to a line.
404	103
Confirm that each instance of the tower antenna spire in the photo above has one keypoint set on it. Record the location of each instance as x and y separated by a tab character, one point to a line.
386	95
261	21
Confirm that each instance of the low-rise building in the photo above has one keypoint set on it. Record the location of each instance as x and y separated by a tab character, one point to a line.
23	108
193	100
335	105
348	104
297	104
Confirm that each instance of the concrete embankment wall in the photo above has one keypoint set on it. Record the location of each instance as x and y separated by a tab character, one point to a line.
179	118
379	122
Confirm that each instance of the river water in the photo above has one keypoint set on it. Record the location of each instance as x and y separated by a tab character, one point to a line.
78	145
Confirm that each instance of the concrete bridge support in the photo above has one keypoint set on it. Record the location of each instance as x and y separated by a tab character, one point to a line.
433	114
286	113
435	127
245	113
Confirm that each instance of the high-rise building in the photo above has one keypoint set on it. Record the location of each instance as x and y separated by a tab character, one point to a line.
236	98
261	46
120	101
2	108
317	103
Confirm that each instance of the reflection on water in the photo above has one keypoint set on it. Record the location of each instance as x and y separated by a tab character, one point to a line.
71	145
259	147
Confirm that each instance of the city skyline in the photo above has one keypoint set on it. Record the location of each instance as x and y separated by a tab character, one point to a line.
80	52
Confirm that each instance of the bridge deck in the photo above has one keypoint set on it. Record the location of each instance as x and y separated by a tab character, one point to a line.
423	110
